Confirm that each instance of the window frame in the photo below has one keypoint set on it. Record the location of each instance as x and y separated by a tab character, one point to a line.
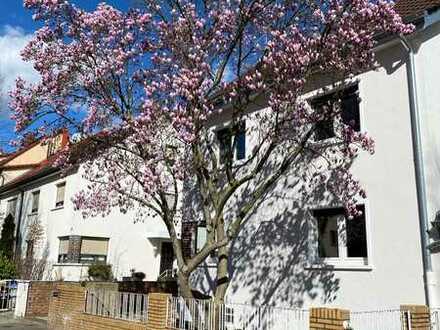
342	262
14	199
202	224
57	203
33	194
95	256
328	95
226	131
63	258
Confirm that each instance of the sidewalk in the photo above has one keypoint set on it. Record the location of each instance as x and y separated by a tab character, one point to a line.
7	321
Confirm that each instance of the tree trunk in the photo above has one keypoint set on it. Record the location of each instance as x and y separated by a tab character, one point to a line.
222	281
184	286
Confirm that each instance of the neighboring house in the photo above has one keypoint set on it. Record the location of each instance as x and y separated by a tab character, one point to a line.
27	158
61	242
304	252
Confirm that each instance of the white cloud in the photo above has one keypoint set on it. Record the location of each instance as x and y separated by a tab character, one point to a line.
12	41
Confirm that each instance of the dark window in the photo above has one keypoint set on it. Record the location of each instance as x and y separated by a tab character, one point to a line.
324	130
227	144
349	112
328	236
357	237
331	224
35	201
350	108
61	190
166	257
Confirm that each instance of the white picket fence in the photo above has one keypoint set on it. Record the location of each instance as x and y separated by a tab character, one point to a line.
392	319
117	305
435	319
194	314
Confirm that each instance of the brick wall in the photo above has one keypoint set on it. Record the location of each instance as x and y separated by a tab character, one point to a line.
157	311
419	315
328	318
39	293
66	311
66	306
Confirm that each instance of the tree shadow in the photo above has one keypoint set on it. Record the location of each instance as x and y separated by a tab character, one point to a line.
271	260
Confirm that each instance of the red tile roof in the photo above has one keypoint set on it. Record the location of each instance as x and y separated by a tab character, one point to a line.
413	8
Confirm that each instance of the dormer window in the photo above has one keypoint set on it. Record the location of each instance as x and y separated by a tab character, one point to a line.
54	145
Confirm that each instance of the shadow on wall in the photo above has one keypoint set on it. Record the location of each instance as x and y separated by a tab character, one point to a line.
270	258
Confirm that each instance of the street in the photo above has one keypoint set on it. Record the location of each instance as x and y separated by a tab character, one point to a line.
8	322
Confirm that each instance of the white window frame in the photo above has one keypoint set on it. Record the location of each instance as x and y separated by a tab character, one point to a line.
56	195
16	205
235	160
32	201
342	262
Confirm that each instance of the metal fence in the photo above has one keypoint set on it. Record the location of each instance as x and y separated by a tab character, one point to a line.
117	305
392	319
192	314
8	295
435	319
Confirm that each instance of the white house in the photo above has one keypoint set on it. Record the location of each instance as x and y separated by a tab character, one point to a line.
297	252
40	200
304	252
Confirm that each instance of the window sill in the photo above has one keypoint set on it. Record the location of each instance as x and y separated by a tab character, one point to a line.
342	266
58	208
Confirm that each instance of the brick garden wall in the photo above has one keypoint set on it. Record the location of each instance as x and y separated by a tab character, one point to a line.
39	293
66	306
66	312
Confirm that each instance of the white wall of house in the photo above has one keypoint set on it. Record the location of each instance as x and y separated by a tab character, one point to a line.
427	44
272	258
132	245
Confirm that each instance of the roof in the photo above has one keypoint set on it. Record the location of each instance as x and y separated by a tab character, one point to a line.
42	169
413	8
5	159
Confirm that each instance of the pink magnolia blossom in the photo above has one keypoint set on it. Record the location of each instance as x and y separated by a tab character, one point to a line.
145	87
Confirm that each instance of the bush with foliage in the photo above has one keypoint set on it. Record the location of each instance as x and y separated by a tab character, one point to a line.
100	272
7	268
7	237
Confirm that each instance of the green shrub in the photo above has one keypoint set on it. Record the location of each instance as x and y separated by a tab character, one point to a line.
7	237
100	272
7	268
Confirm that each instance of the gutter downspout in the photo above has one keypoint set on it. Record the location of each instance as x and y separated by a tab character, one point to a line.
419	166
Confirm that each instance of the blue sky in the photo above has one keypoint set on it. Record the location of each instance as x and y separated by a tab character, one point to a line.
16	28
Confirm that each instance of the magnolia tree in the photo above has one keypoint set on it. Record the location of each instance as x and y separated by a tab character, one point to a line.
145	88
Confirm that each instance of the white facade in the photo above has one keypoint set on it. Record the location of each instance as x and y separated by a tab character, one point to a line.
273	258
131	245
